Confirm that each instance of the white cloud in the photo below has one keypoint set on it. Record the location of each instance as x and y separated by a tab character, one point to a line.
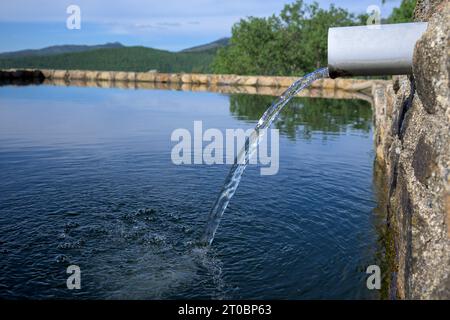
128	10
103	11
170	24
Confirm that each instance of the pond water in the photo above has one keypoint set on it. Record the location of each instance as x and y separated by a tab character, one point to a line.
87	179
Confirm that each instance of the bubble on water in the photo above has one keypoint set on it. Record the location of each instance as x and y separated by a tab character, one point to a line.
173	216
62	258
71	245
62	235
145	211
142	212
185	229
156	239
70	226
144	260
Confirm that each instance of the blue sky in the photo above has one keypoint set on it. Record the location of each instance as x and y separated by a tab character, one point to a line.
167	24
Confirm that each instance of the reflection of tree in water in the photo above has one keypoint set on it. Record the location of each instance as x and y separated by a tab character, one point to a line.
310	114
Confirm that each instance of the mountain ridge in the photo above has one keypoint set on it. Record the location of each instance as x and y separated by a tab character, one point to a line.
214	45
72	48
58	49
136	58
115	57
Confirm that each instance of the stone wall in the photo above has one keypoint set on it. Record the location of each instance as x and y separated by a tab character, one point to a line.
193	79
412	140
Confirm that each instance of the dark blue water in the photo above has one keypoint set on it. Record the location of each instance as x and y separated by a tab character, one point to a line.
87	179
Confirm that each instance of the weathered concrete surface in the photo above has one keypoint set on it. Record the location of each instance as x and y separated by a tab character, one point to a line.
412	139
426	8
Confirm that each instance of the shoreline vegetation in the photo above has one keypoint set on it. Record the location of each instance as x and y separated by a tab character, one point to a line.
291	43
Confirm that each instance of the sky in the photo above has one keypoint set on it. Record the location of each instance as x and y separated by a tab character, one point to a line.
164	24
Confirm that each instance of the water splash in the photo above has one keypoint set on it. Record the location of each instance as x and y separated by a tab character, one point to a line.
251	143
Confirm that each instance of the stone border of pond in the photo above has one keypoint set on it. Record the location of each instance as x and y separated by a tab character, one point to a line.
185	78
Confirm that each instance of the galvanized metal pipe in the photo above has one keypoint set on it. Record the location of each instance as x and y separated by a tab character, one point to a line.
369	50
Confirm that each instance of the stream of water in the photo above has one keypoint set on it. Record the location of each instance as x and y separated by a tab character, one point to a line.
251	143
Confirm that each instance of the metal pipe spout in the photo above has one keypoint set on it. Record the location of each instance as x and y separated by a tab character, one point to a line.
373	50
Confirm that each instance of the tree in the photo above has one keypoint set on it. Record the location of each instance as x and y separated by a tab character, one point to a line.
253	47
295	42
404	13
306	28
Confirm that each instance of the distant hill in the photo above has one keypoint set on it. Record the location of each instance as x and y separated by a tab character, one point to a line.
114	57
117	59
212	46
58	50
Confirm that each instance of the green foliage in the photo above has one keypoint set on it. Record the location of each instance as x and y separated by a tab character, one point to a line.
118	59
253	48
295	42
404	13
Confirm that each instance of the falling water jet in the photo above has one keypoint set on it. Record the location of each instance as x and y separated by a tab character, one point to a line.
244	155
361	50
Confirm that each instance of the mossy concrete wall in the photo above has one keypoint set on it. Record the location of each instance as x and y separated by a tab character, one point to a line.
412	140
